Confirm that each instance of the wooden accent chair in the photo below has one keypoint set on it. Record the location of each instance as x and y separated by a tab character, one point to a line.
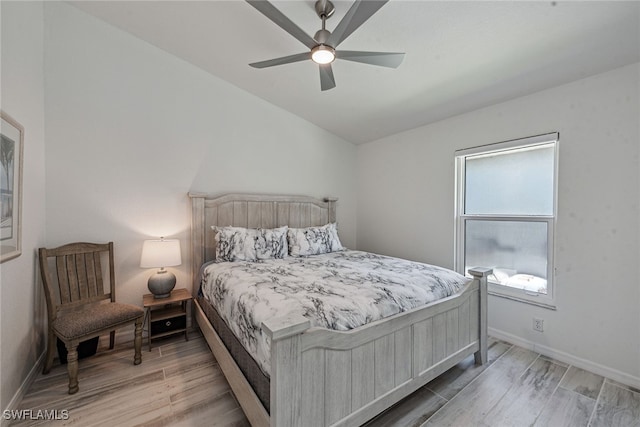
83	310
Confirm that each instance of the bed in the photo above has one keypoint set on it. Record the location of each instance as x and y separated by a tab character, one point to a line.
318	376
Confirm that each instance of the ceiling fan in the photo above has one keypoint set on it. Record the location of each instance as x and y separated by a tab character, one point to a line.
323	45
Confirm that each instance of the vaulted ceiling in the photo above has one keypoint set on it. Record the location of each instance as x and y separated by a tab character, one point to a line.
460	55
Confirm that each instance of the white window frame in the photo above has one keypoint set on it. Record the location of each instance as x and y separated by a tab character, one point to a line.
543	300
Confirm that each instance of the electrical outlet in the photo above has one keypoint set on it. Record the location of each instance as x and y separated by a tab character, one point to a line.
538	324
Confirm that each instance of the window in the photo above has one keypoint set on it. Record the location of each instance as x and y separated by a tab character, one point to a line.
505	215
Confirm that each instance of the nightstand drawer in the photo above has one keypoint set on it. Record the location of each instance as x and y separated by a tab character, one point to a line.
168	325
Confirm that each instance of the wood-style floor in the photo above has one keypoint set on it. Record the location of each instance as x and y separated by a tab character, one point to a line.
179	383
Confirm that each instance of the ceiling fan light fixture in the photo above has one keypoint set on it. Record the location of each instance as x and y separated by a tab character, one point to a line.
323	54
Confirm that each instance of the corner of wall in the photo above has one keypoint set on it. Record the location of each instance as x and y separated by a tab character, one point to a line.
21	304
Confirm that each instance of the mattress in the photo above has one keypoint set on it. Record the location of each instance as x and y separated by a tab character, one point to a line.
257	379
340	291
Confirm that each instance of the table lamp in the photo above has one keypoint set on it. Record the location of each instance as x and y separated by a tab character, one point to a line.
161	253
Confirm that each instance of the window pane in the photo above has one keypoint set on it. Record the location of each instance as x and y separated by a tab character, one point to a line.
513	182
516	250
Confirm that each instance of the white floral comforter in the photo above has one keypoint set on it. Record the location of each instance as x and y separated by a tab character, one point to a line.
339	290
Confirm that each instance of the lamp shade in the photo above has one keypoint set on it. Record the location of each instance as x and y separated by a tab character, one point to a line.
160	253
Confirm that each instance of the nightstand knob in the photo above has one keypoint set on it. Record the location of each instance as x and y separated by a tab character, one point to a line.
168	323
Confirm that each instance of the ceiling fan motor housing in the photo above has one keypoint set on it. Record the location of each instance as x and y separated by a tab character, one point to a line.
323	53
322	36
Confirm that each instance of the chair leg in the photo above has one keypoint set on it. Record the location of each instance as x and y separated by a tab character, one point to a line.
51	348
137	342
72	366
112	339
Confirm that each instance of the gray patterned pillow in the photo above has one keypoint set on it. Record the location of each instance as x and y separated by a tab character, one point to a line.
250	244
313	240
272	243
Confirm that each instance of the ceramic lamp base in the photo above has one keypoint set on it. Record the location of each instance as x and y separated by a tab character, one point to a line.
161	284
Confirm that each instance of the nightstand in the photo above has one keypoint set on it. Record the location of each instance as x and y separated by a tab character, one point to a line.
166	316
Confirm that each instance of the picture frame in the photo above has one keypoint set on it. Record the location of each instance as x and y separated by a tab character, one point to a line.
11	152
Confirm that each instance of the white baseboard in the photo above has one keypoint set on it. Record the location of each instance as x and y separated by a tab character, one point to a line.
561	356
24	387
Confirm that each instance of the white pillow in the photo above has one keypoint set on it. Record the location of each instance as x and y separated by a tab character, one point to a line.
272	243
250	244
313	240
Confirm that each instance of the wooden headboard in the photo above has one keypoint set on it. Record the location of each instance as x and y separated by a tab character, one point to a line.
251	211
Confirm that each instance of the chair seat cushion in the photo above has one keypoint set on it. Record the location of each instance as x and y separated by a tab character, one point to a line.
96	318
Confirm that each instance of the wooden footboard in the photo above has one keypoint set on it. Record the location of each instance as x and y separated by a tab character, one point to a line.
330	378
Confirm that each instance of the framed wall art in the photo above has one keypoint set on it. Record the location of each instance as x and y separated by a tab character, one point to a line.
11	150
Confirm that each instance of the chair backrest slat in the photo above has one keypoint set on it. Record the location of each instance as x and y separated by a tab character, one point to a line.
98	273
63	281
92	288
82	274
72	278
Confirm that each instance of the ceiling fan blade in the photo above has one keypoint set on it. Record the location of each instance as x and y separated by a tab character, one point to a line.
382	59
270	11
282	60
359	12
326	77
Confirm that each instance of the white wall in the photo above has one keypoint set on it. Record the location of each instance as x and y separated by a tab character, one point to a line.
131	129
22	97
406	208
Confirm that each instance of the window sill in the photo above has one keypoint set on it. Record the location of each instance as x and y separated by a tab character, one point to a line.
548	304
